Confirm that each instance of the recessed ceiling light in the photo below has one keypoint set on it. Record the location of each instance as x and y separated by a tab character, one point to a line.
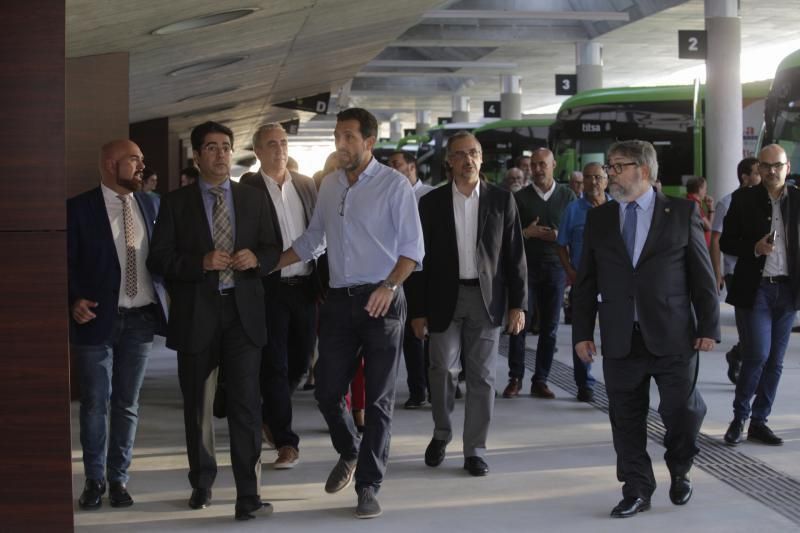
209	110
210	93
202	66
203	22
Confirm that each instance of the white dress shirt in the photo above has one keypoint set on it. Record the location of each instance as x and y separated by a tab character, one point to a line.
144	284
545	195
465	212
776	264
291	218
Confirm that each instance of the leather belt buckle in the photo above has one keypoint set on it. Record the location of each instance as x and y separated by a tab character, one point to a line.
226	292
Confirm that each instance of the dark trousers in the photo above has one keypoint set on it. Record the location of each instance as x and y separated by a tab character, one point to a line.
346	331
291	336
681	408
197	373
417	357
546	283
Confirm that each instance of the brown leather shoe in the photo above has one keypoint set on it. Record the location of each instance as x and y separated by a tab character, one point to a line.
513	388
539	389
288	457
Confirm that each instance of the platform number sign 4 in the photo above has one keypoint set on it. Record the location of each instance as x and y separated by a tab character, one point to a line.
491	109
691	44
566	84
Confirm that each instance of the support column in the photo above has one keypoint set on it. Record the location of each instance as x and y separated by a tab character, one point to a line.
589	65
460	108
395	130
723	100
423	122
510	97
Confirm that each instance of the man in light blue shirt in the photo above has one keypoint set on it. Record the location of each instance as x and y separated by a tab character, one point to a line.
367	216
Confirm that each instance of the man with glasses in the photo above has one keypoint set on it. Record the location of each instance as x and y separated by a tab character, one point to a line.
473	279
761	230
541	206
289	295
213	242
570	241
367	215
646	271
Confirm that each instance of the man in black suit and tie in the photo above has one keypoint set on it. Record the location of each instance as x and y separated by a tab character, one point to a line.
473	277
289	295
646	269
115	306
213	242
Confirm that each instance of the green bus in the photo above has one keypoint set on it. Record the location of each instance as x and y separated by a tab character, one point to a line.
671	117
782	111
503	141
383	149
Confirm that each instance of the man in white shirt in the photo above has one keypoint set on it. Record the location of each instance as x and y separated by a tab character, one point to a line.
115	306
289	295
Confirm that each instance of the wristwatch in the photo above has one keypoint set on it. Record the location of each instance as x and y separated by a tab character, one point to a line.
389	285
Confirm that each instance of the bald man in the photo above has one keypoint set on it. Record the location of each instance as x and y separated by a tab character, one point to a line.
115	308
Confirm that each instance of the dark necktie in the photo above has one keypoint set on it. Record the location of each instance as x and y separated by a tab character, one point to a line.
629	228
223	232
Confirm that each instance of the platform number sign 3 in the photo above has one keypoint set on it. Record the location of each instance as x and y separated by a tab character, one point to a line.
566	84
691	44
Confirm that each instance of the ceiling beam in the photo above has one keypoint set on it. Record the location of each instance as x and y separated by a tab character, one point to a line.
469	36
485	14
413	63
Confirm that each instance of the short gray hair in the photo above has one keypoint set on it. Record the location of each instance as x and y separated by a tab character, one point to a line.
642	152
463	134
266	127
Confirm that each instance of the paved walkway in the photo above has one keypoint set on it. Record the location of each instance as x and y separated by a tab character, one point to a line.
552	468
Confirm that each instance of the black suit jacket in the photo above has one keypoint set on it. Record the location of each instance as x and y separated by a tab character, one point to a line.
673	283
749	218
307	191
180	240
502	270
93	265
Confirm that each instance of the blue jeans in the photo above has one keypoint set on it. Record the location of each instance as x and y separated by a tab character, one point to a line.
546	283
111	375
764	334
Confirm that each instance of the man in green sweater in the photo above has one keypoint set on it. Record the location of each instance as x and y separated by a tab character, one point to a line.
541	206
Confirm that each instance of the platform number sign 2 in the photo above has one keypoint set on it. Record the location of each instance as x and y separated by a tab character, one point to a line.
566	84
691	44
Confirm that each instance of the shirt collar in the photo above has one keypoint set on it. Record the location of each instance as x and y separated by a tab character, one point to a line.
476	192
206	187
271	180
111	194
371	169
645	201
541	192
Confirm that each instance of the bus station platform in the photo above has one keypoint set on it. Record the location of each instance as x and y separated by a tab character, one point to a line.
552	465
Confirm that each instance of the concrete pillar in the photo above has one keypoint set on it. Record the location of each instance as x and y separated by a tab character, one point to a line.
423	122
460	108
589	65
723	100
395	130
510	97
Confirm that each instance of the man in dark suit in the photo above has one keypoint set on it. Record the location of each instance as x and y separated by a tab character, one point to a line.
473	276
761	230
289	295
645	268
213	242
115	306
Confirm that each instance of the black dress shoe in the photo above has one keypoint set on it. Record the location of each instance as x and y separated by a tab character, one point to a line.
476	466
761	433
680	491
201	498
434	453
734	434
92	495
734	364
629	506
118	495
585	394
250	507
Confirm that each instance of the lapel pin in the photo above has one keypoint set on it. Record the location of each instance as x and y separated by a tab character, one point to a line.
666	209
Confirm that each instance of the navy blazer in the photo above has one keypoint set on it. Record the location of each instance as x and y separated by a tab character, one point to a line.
93	265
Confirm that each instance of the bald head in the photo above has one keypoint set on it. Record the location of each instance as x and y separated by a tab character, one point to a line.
543	164
121	165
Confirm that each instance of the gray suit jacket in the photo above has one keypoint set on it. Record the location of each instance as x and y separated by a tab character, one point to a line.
673	283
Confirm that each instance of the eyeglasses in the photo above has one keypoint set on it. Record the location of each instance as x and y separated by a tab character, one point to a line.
618	167
766	167
472	154
595	177
341	204
213	148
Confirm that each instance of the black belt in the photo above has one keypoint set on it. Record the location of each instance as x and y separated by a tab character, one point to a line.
352	290
636	327
129	310
775	279
295	280
226	292
470	282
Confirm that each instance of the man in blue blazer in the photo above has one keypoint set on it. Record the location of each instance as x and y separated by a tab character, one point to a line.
115	308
